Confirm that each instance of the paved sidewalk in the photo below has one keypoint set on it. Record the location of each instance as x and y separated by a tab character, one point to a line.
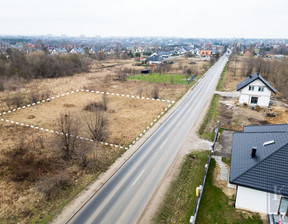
224	170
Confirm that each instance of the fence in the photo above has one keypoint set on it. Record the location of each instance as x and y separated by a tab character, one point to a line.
201	187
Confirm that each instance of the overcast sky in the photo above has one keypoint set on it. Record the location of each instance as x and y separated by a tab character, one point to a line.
177	18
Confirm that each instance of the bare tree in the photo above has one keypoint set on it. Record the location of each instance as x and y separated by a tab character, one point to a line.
15	100
105	101
188	73
140	92
155	92
97	126
68	126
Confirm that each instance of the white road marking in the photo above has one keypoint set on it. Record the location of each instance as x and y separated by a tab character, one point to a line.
164	142
138	177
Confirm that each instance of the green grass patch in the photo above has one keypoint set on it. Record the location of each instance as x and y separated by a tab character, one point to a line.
220	84
215	208
211	114
226	160
161	78
180	199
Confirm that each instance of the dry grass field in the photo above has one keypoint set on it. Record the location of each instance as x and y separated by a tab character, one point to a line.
36	180
127	117
234	73
197	66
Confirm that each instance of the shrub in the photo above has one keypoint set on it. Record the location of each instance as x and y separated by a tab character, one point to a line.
25	161
100	105
94	106
155	92
97	126
34	97
53	184
14	101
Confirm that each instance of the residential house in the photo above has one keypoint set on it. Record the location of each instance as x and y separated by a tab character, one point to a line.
142	59
154	60
59	51
259	169
93	50
108	50
189	49
77	51
205	53
130	49
139	50
247	53
164	54
213	52
256	51
181	51
172	53
255	90
196	52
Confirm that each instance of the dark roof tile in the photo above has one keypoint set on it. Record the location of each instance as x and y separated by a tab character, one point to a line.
270	166
252	78
266	128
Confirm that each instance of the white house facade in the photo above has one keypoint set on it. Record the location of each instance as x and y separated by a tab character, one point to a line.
257	201
154	59
255	90
256	93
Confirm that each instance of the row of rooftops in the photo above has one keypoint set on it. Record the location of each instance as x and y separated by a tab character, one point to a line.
269	167
109	49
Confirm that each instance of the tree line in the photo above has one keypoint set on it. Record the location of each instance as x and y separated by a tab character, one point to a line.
273	70
40	65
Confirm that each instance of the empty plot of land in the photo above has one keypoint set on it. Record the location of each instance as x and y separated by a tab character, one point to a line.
163	78
125	115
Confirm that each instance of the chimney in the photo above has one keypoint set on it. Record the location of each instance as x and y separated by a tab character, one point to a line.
253	153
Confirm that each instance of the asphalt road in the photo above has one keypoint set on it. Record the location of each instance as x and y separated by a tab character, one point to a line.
123	198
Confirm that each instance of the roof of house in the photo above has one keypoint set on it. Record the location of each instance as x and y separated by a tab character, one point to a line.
162	53
205	52
78	50
94	49
269	169
61	50
267	128
155	58
181	50
251	79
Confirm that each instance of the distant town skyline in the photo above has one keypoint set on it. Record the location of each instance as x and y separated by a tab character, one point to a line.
161	18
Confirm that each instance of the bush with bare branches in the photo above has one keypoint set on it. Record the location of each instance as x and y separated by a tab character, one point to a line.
54	183
97	126
155	92
68	126
15	100
100	105
26	161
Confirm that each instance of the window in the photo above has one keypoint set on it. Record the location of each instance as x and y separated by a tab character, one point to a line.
254	100
251	88
261	89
